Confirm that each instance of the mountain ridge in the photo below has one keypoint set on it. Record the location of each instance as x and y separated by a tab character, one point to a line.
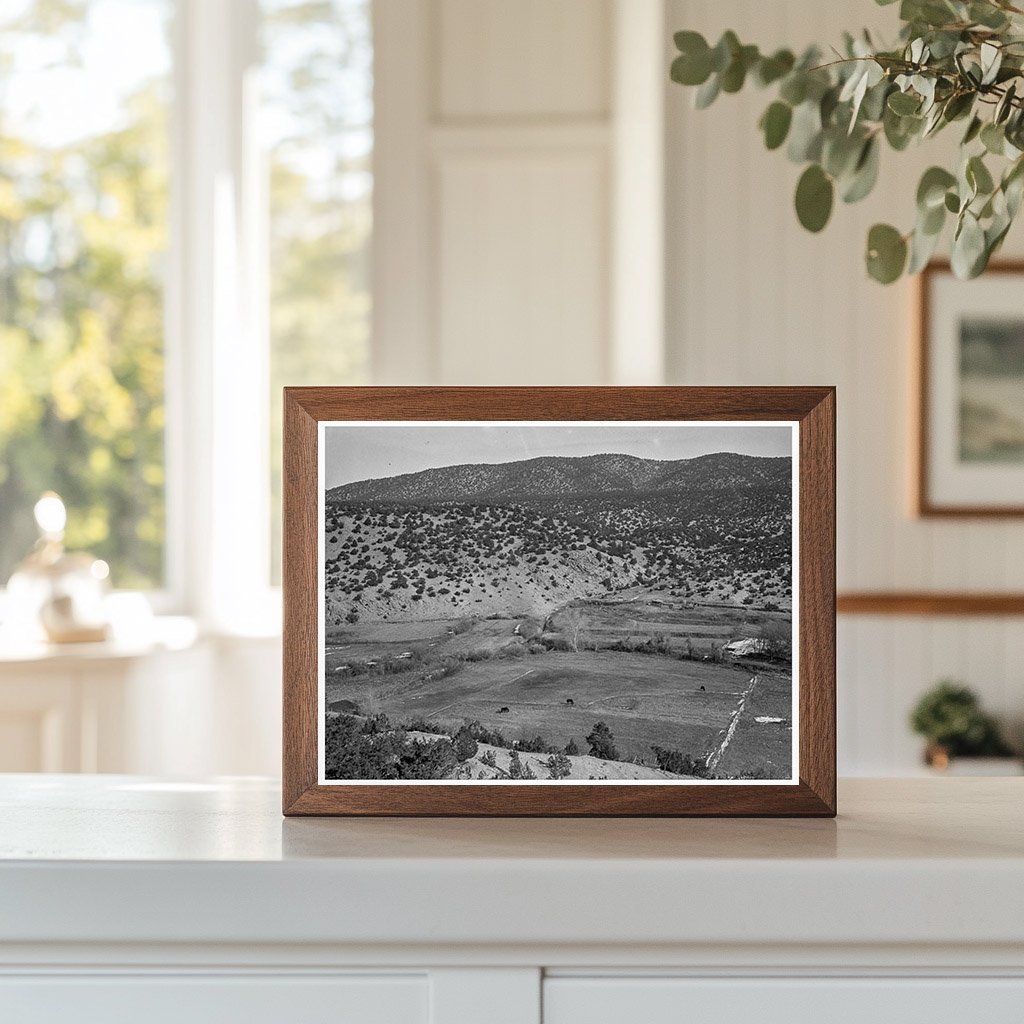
551	476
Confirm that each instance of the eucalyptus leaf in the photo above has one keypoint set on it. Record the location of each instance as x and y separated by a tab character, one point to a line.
973	130
904	103
865	173
794	88
775	124
771	69
1013	187
886	253
805	133
867	74
707	93
933	122
966	187
814	196
689	70
987	15
1005	105
993	138
978	176
991	60
931	190
968	248
944	44
900	130
957	106
735	74
840	152
925	87
932	220
875	98
922	247
930	12
827	106
724	51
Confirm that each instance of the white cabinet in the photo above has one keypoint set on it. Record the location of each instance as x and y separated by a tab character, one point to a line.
202	999
126	899
678	1000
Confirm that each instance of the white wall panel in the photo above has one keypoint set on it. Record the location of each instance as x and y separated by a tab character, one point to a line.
526	58
522	285
754	299
494	206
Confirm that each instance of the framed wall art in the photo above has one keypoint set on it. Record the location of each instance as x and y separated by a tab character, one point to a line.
970	443
559	601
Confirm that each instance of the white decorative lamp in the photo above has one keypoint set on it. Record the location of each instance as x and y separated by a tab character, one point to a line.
55	593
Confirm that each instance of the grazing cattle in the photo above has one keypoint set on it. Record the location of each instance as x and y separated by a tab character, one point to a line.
703	690
502	711
570	701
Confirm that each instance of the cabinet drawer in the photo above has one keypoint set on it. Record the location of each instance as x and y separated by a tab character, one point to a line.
661	1000
202	999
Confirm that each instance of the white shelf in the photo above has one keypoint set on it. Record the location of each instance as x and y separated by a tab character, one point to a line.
161	633
124	860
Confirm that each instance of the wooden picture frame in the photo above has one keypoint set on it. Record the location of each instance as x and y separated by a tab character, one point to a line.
308	412
941	489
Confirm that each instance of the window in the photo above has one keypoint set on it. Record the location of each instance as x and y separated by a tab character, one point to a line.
185	222
83	235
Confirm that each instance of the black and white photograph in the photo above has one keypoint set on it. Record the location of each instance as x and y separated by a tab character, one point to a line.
548	601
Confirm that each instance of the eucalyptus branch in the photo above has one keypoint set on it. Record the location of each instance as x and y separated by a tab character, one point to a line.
955	61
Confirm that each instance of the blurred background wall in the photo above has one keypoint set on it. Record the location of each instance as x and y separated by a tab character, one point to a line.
421	191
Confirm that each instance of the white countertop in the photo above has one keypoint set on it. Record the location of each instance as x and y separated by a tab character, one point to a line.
123	859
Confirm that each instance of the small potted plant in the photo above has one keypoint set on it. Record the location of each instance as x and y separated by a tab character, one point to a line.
950	718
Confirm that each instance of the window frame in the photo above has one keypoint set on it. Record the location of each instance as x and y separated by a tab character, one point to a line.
217	439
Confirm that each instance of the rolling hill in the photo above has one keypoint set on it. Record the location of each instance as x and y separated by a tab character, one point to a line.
526	537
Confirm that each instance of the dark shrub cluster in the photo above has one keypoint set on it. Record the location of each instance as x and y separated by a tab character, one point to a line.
355	748
679	763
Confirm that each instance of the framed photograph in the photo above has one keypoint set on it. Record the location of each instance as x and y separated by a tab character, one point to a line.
559	601
970	445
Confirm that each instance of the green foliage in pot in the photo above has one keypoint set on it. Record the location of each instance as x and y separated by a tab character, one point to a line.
949	716
957	62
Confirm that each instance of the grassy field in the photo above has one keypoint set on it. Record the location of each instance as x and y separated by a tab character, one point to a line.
667	684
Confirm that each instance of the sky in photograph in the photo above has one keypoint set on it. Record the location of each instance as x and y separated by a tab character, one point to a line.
355	452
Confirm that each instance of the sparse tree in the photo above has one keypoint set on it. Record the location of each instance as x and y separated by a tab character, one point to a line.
559	766
572	748
464	744
777	639
518	770
573	622
602	742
